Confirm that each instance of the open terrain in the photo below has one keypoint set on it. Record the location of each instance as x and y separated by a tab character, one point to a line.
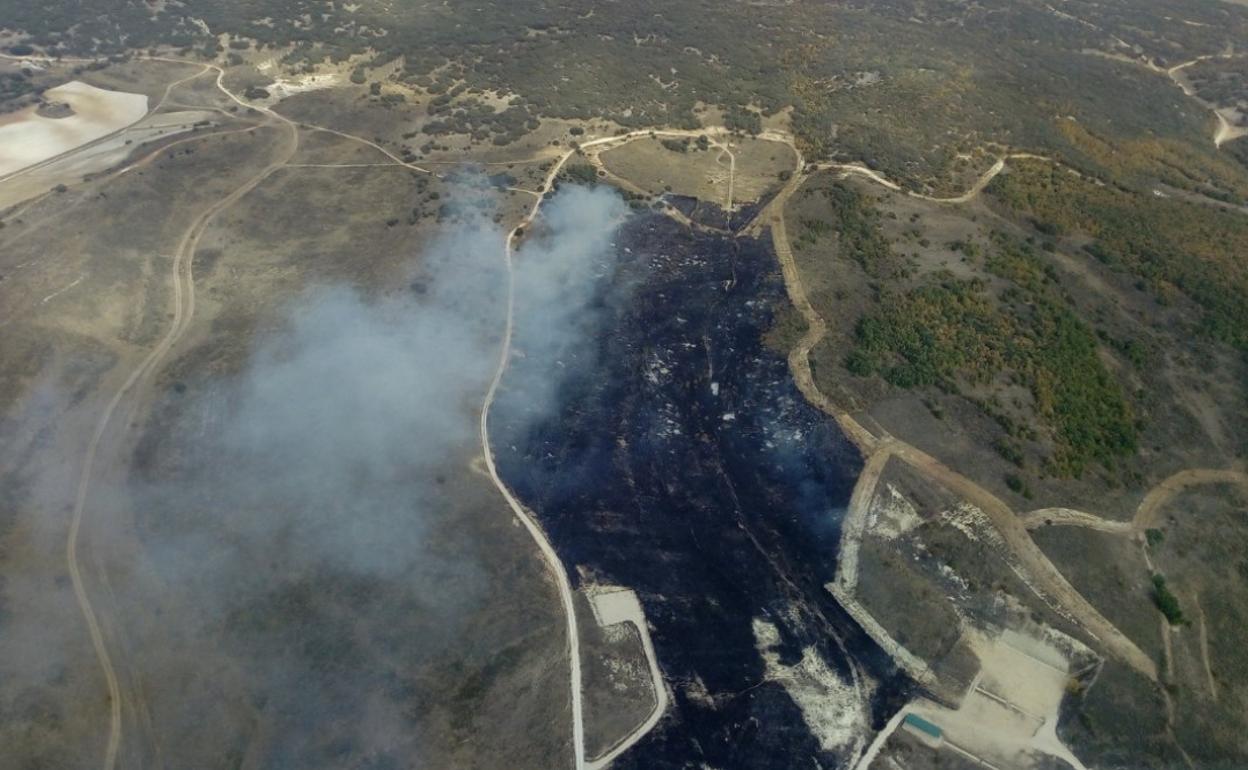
555	385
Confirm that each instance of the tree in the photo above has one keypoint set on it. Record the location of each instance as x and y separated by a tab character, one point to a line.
1166	601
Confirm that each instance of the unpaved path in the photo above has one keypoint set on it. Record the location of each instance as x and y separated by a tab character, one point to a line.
160	151
971	193
732	173
1069	517
553	562
1039	571
1204	647
1045	579
855	522
1148	515
183	310
1225	131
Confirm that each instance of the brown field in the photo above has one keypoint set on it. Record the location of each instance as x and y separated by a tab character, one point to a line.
231	649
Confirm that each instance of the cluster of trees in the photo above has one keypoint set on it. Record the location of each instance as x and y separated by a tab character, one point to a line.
683	144
14	85
1167	245
469	115
953	333
938	89
1167	602
1221	81
856	224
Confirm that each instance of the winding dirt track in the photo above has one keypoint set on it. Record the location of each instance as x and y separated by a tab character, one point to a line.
1069	517
1044	576
1045	579
534	528
972	192
1225	132
553	561
1148	513
183	311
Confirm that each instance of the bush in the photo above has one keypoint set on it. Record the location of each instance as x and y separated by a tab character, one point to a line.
1166	601
580	173
1010	451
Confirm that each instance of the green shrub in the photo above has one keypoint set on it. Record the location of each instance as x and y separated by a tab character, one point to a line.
1166	601
951	333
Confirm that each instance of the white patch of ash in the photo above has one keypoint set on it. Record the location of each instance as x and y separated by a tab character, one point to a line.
892	515
832	708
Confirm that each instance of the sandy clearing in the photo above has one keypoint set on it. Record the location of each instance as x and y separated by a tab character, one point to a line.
621	605
284	87
1012	709
100	156
27	138
1228	129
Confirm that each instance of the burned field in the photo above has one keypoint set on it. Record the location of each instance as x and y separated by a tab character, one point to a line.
680	460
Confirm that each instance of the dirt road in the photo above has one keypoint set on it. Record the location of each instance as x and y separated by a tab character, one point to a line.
1069	517
553	562
972	192
1044	578
1039	572
182	282
1148	514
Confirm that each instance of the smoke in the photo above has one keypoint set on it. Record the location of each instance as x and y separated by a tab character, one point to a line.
566	286
313	535
344	419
